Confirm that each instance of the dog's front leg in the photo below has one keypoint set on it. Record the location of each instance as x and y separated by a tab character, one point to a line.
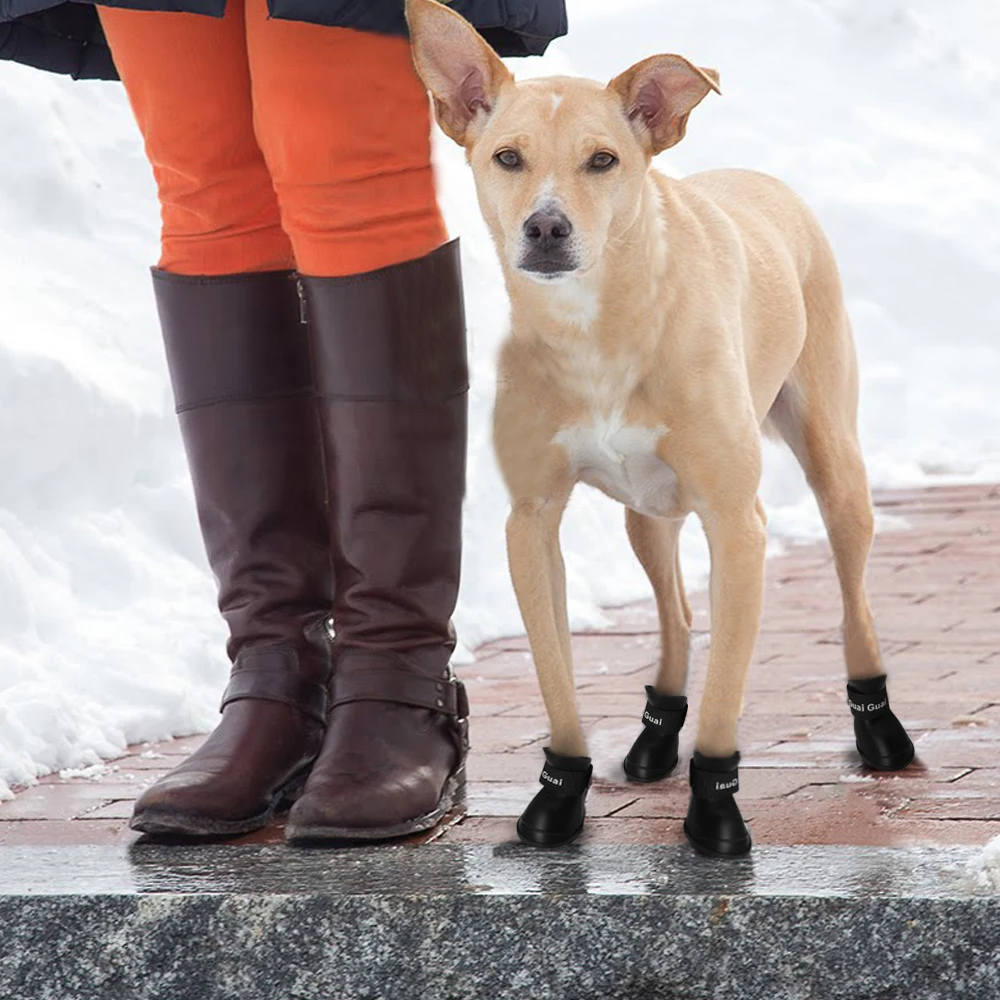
719	463
556	814
736	540
534	557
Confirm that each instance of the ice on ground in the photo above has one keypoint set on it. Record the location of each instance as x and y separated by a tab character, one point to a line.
886	118
92	773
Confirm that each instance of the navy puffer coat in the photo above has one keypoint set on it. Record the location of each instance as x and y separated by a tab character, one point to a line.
67	37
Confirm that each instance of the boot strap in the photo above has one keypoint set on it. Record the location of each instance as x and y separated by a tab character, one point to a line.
665	721
275	677
867	706
404	687
565	782
714	784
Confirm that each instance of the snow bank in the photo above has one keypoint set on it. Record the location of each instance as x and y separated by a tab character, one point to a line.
107	630
885	119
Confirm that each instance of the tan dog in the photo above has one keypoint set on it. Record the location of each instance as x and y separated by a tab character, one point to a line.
657	326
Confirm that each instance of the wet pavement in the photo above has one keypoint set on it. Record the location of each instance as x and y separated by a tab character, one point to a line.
935	589
443	870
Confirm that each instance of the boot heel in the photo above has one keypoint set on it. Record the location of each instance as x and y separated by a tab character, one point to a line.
292	792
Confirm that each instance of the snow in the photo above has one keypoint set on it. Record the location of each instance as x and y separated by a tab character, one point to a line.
983	870
885	117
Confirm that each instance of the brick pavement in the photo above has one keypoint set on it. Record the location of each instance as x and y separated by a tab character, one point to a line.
935	589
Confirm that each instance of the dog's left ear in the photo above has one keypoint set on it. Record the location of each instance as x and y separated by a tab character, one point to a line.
659	93
463	74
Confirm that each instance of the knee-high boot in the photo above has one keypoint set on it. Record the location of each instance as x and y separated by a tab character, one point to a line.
390	361
240	367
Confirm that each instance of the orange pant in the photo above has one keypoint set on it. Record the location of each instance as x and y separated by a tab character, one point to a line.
279	144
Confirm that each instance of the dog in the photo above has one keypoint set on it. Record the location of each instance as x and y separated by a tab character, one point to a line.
658	328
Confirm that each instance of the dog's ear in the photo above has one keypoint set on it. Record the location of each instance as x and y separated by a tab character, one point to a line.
463	74
659	93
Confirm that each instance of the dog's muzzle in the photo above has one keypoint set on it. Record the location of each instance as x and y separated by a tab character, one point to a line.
548	246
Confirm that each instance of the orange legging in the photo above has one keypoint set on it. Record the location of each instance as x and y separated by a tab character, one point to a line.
279	144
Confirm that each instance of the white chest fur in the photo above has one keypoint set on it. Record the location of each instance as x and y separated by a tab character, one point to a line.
621	461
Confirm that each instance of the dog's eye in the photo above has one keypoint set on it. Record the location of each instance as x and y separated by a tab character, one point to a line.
508	158
602	161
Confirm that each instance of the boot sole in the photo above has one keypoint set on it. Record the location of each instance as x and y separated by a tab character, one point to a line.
546	845
165	823
636	775
888	767
452	795
712	852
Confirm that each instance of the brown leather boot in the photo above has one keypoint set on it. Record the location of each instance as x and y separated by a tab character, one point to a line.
242	378
389	357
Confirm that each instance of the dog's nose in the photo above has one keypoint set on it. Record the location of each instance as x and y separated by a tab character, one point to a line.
547	229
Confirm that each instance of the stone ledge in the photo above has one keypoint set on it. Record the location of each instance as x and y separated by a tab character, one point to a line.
499	922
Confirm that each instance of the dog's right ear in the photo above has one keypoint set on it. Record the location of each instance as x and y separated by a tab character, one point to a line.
463	74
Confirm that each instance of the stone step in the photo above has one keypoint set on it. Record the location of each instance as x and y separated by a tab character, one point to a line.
498	922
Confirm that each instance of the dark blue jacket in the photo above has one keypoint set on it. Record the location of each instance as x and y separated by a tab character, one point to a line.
67	37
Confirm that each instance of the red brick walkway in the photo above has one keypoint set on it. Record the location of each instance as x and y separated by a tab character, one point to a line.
936	594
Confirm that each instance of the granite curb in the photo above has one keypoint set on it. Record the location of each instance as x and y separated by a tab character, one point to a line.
500	921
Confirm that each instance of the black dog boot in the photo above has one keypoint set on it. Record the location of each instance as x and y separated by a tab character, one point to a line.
654	754
880	736
714	825
555	815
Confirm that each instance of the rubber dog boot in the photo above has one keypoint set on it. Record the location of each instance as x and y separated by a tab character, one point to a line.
555	815
714	825
654	754
881	739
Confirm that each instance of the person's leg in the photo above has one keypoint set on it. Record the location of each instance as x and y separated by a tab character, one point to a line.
345	127
241	373
344	124
188	82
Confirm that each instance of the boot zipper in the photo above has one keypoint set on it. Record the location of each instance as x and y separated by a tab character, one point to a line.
303	315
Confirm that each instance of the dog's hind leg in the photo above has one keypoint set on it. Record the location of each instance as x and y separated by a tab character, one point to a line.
654	541
816	413
654	753
681	592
